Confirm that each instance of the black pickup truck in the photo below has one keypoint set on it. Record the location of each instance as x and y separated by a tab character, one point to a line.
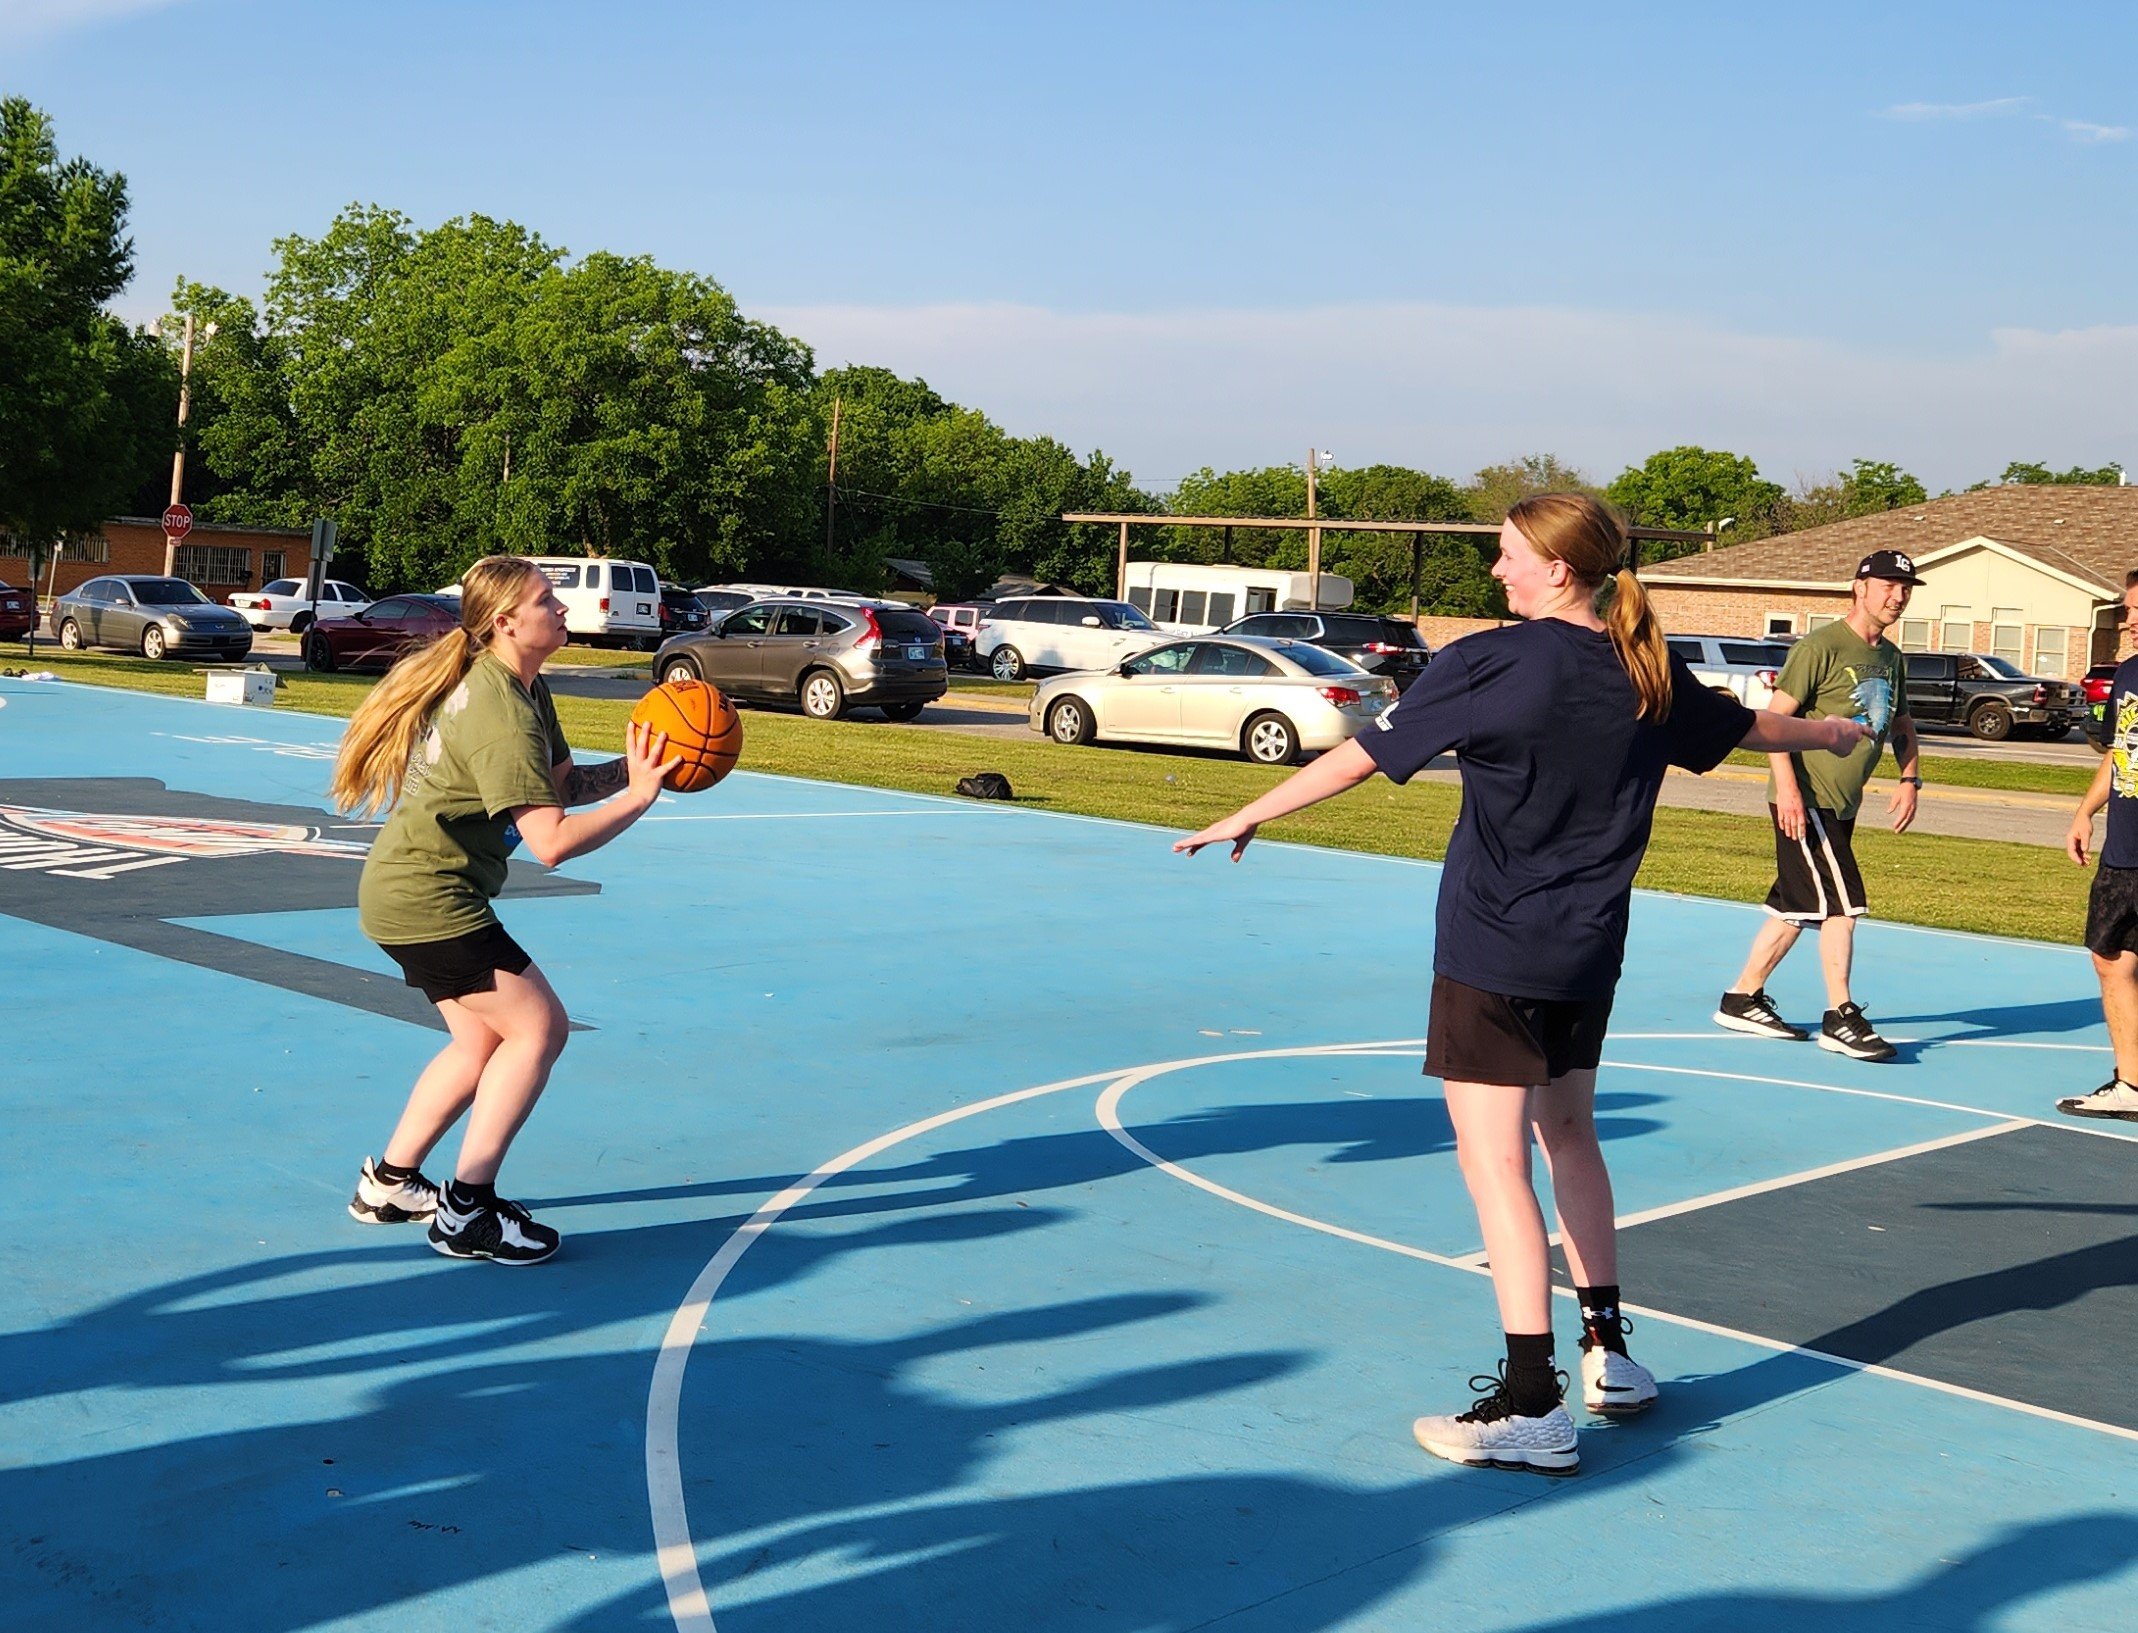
1989	696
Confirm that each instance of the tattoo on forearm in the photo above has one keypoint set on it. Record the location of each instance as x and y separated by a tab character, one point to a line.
584	784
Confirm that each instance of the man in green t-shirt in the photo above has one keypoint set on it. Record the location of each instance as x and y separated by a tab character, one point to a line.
1847	668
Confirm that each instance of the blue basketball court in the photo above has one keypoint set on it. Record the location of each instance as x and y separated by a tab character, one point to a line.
984	1219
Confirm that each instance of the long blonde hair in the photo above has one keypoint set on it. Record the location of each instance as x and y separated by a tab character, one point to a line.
382	735
1588	536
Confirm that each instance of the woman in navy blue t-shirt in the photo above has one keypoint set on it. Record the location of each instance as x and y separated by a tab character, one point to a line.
1563	726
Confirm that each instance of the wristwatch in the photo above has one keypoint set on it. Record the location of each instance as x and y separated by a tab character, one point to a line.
1917	781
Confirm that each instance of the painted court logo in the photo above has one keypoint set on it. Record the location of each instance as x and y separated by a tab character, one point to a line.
107	845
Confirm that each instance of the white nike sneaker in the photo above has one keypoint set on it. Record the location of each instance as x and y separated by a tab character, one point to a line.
1614	1385
378	1203
2115	1098
1492	1432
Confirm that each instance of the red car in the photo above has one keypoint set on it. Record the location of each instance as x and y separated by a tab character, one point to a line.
18	612
382	632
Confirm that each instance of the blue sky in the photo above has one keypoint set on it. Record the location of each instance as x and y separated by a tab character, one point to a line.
1196	234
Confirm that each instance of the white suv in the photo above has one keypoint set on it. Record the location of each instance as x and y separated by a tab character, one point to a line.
1027	633
1742	665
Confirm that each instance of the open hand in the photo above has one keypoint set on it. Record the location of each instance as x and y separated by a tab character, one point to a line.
646	756
1231	829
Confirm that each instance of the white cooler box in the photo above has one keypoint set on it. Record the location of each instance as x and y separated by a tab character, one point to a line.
253	686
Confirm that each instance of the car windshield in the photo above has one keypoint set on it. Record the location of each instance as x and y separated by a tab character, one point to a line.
2000	666
167	592
1317	660
1120	615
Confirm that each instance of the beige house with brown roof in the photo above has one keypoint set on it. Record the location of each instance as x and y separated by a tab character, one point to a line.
2033	574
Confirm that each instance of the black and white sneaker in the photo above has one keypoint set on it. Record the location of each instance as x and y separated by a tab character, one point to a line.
1613	1384
503	1232
377	1202
1493	1433
2115	1098
1848	1031
1754	1012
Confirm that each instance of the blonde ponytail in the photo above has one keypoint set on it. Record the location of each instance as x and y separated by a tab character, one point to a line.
1641	647
375	750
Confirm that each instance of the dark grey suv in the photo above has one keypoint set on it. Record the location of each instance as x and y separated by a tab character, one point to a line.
828	656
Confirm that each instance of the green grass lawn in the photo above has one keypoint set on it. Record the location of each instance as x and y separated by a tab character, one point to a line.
1952	771
1959	884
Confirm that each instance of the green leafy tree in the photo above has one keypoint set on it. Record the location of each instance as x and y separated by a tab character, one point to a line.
86	404
2031	473
1689	487
1870	487
1497	489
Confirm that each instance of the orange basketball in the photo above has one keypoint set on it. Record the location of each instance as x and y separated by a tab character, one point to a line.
704	731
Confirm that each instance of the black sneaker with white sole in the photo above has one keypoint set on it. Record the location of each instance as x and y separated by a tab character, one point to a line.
1754	1012
502	1232
1848	1031
380	1202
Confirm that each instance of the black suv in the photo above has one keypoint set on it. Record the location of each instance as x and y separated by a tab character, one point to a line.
682	613
1380	646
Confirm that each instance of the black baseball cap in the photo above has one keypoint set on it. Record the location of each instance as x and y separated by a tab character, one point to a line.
1896	565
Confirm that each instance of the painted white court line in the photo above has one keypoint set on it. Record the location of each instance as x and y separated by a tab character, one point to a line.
1107	1111
791	816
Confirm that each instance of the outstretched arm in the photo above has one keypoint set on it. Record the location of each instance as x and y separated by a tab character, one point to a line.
1343	767
1776	733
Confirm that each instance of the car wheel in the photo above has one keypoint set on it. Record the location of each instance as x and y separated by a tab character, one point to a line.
318	655
677	670
70	635
1270	739
909	710
300	622
823	697
1991	721
1007	663
153	644
1069	721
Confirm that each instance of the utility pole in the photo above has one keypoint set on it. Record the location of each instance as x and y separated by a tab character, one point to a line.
1313	536
831	485
178	454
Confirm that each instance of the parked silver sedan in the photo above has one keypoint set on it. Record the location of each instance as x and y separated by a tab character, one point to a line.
157	617
1268	700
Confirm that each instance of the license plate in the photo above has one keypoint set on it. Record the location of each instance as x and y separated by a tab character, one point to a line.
916	653
13	605
1374	705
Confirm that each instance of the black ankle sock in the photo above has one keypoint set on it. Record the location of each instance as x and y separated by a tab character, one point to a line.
1532	1380
390	1175
467	1194
1599	1315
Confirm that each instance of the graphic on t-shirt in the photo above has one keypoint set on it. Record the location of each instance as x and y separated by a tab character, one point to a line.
1873	693
2123	756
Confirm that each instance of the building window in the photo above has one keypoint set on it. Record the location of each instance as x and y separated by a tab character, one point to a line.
1819	620
214	564
2050	657
272	565
1781	623
2008	635
1915	635
1956	629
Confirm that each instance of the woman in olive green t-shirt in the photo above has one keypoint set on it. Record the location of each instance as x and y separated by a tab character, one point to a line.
461	743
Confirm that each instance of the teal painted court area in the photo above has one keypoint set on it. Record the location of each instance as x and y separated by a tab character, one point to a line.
983	1219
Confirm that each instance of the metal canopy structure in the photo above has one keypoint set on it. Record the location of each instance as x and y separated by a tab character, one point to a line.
1315	526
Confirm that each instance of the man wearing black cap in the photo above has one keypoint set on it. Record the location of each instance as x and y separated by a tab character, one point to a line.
1847	668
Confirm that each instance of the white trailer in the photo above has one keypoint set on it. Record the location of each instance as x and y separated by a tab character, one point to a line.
1189	597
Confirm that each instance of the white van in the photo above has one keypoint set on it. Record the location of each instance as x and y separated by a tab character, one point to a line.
605	600
1190	597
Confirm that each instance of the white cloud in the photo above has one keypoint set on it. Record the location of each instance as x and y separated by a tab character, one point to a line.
1449	388
2081	130
22	21
1917	111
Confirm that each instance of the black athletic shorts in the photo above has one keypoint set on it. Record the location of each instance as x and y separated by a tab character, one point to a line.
2112	912
459	965
1474	1036
1816	877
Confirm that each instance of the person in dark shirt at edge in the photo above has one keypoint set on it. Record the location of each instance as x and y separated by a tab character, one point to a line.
2112	906
1562	725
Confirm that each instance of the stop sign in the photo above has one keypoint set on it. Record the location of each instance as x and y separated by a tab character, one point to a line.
177	522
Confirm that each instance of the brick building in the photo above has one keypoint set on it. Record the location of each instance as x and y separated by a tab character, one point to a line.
216	559
2032	574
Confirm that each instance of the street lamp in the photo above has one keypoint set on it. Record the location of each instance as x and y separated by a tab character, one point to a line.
1714	530
178	454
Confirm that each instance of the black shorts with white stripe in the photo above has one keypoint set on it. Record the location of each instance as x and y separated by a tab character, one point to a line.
1816	877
